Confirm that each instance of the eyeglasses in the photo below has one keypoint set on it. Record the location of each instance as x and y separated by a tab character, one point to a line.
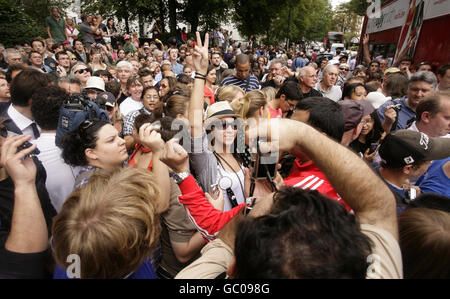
81	71
344	69
367	121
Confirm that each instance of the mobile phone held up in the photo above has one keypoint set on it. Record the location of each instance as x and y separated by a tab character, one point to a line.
25	145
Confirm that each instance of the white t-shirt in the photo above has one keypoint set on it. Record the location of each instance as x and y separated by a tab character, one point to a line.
335	93
129	105
234	180
60	176
69	33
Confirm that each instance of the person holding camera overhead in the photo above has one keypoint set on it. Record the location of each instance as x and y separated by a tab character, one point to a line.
396	114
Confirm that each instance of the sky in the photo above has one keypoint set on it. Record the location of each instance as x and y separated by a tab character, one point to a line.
335	3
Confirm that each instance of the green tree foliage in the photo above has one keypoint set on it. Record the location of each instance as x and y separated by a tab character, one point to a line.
208	14
359	7
23	20
255	17
345	20
16	26
309	18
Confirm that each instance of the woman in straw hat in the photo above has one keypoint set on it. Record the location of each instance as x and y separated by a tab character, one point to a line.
217	162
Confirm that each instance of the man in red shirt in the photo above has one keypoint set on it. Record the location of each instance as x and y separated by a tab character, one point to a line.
326	116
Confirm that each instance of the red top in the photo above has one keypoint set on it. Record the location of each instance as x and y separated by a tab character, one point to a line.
209	94
309	176
207	219
275	113
138	148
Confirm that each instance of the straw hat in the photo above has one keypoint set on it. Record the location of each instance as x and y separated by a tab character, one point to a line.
218	111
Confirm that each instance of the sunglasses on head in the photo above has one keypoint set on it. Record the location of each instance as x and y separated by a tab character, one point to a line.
85	125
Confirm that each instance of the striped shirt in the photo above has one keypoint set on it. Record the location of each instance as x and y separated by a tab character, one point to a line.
128	122
253	83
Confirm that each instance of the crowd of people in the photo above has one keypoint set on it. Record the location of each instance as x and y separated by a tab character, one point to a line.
176	182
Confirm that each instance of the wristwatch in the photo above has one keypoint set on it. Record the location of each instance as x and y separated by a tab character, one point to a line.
180	176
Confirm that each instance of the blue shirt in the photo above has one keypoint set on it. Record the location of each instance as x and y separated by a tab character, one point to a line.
404	115
435	180
177	68
298	63
399	193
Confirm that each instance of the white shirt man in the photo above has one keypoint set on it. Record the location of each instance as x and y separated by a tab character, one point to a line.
22	122
60	176
328	84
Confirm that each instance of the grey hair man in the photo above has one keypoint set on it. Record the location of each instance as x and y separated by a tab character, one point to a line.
327	86
308	79
396	114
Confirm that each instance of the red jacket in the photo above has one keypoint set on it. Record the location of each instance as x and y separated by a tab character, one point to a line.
208	220
309	176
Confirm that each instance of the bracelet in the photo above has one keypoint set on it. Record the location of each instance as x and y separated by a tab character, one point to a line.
200	74
199	77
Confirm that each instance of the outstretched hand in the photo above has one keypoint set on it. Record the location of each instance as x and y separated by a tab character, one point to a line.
200	55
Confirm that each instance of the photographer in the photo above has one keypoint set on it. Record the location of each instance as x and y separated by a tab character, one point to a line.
407	155
395	114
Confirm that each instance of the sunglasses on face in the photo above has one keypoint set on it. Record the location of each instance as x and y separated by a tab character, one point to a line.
344	69
225	125
81	71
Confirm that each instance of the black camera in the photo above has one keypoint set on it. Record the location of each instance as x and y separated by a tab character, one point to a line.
77	102
264	164
397	107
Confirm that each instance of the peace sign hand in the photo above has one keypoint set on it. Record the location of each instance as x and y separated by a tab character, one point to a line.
200	56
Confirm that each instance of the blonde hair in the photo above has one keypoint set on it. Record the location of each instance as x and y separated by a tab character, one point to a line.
246	106
270	93
112	223
228	92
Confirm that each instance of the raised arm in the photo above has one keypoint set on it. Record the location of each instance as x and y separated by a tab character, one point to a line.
200	59
28	227
366	52
370	199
